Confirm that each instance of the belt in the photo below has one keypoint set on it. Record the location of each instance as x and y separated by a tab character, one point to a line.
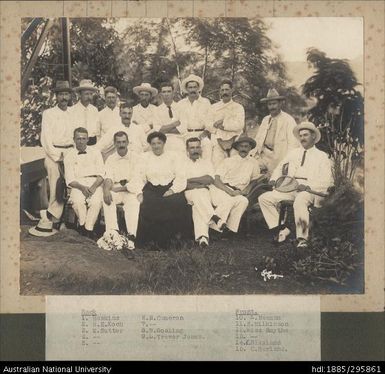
192	130
63	146
91	176
305	179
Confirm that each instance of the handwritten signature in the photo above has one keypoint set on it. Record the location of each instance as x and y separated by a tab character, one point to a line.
267	275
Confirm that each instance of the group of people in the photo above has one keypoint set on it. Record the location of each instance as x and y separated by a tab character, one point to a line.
177	162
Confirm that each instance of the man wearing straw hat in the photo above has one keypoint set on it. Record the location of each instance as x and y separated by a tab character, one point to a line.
84	114
312	170
109	116
56	140
196	113
144	112
275	135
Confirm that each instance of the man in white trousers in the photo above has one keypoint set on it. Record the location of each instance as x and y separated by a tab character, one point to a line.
84	172
56	139
200	176
312	168
122	185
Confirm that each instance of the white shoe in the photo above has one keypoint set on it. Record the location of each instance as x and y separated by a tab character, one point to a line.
302	244
283	234
203	242
130	245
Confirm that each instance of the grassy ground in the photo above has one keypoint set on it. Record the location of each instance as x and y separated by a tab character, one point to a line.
67	263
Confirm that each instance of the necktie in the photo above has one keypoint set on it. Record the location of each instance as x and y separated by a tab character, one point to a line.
82	153
170	111
303	158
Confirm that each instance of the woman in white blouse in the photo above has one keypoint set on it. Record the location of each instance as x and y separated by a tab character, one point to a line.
164	211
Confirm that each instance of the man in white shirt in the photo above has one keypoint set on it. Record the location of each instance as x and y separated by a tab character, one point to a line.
84	172
195	113
135	133
229	122
312	168
144	112
275	135
122	185
232	183
200	176
84	114
167	120
56	140
109	116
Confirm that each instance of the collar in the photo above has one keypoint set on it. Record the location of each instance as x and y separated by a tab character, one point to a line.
126	156
277	116
311	149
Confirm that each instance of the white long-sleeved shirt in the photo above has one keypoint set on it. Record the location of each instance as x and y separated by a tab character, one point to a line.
162	117
108	118
56	129
163	169
316	171
125	168
233	116
77	166
195	115
198	168
238	172
144	117
87	117
136	138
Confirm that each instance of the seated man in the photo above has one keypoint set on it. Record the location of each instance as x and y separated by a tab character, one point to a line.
312	168
135	133
233	183
84	172
122	185
200	174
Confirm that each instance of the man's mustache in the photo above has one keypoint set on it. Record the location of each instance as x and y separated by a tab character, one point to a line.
193	92
225	95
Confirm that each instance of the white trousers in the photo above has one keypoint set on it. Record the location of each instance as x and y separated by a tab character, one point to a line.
269	202
202	210
54	207
87	211
131	207
229	208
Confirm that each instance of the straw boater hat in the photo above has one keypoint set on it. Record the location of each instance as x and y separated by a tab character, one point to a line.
62	86
145	87
192	78
307	126
43	228
86	84
272	94
244	138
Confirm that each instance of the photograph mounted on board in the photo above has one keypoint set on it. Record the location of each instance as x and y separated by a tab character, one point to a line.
192	156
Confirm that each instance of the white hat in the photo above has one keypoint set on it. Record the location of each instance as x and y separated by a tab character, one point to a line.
86	84
192	78
307	126
43	228
272	94
145	87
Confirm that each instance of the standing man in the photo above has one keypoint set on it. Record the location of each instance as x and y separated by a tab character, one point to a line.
275	135
233	183
144	112
109	116
200	176
84	114
167	120
137	140
84	172
56	140
196	113
229	121
312	168
122	185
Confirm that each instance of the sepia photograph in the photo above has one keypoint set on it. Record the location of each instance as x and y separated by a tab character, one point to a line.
192	156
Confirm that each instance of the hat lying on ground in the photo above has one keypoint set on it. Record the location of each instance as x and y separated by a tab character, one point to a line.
307	126
145	87
43	228
192	78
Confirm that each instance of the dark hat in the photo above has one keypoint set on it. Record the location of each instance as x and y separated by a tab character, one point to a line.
110	89
62	86
244	138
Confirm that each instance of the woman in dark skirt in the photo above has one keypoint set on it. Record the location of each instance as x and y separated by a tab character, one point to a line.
164	212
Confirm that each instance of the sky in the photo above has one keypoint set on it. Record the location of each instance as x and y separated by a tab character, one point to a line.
337	37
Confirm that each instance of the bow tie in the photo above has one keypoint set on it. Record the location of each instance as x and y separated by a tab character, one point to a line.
82	153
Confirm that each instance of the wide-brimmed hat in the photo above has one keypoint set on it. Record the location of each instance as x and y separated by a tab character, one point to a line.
244	138
145	87
192	78
272	94
86	84
307	126
62	86
43	228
